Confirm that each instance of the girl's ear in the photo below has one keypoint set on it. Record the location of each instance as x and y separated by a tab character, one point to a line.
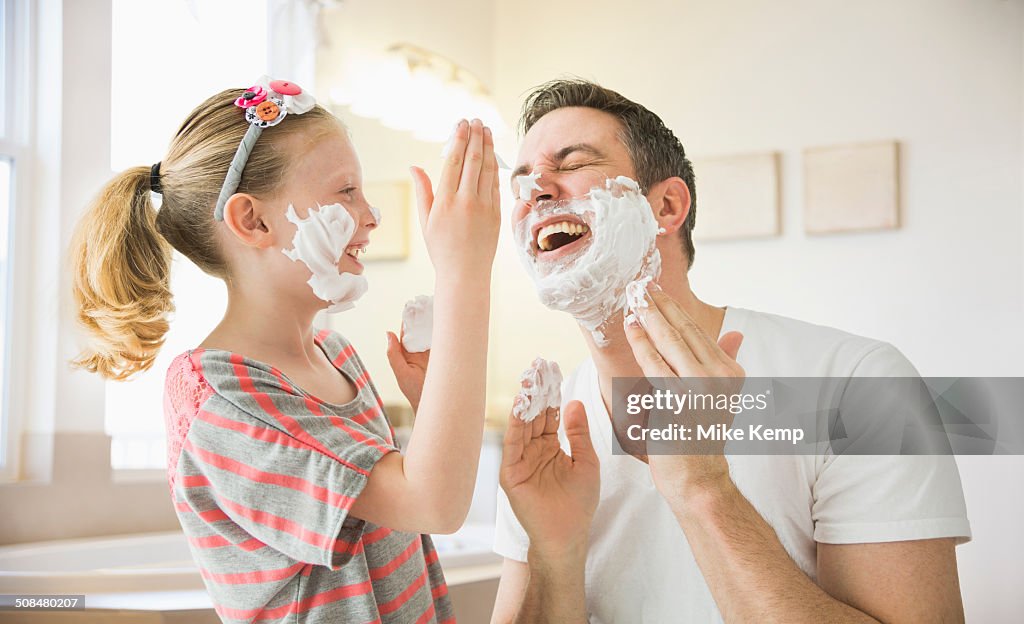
245	216
670	200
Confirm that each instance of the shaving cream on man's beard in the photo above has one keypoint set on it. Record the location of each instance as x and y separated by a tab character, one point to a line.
320	240
590	284
636	300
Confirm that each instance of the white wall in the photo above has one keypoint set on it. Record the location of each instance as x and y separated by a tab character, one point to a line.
944	77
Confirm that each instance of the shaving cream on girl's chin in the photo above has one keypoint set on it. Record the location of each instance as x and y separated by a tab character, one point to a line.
320	240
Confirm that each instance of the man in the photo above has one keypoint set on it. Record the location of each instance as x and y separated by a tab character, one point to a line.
589	535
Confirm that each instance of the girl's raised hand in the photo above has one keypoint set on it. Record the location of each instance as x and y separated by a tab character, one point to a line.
461	218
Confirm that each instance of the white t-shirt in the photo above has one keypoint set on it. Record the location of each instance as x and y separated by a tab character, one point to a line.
640	568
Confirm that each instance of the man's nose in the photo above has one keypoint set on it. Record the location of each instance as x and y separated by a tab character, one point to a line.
548	188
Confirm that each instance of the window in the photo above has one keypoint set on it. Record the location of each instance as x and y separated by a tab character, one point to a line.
6	170
14	59
159	74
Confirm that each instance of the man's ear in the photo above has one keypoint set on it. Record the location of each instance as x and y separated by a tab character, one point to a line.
244	215
670	200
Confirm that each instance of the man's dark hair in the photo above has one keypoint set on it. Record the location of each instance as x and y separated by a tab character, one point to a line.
656	152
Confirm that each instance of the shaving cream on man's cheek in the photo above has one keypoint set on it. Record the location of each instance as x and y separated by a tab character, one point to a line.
613	234
320	240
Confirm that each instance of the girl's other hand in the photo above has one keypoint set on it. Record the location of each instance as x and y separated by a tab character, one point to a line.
461	219
410	369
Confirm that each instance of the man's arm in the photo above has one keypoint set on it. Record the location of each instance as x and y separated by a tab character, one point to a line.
547	589
912	581
749	573
753	578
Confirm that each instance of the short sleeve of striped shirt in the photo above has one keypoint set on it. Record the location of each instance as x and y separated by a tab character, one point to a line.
280	464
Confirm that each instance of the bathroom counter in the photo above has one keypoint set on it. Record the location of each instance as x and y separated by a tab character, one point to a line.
151	578
198	599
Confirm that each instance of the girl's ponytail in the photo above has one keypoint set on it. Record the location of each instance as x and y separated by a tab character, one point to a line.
121	269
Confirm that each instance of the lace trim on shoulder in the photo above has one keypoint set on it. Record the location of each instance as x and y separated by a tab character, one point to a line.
185	391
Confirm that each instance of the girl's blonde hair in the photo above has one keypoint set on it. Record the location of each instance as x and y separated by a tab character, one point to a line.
121	248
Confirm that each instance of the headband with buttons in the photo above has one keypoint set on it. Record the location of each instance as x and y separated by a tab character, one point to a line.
266	104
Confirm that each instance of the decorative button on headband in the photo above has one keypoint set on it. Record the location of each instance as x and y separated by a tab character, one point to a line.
266	103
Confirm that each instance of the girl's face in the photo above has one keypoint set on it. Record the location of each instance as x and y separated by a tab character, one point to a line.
325	172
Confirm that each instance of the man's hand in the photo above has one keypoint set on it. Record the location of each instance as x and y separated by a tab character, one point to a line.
410	369
552	494
671	344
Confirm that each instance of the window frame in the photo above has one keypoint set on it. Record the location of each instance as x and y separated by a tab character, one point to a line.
15	144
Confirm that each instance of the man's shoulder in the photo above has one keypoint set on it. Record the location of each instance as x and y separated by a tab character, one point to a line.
776	345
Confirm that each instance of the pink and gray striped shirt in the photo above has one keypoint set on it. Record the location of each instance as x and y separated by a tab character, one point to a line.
263	475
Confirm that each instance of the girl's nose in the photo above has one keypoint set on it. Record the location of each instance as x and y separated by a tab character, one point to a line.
374	217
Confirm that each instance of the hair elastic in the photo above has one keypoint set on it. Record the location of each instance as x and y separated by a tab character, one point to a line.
154	179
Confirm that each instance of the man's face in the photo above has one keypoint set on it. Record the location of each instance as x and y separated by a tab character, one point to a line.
582	228
574	149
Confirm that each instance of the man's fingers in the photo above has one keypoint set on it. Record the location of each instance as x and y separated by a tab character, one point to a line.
512	447
647	356
539	423
669	341
551	418
526	430
704	350
730	343
424	195
577	430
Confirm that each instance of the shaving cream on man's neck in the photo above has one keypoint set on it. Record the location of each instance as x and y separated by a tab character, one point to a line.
320	240
582	253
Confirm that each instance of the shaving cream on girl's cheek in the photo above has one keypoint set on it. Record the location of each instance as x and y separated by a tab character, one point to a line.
319	241
541	388
617	247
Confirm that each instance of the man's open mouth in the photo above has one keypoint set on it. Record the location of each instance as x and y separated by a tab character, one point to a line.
559	235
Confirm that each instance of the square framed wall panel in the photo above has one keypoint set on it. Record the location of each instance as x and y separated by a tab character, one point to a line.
737	197
851	188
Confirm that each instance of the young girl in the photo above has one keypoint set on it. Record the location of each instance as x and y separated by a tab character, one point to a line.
280	459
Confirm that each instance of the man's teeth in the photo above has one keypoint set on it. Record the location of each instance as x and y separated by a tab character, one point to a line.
562	227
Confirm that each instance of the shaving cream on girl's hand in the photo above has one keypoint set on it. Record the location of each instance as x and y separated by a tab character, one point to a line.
541	389
418	324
